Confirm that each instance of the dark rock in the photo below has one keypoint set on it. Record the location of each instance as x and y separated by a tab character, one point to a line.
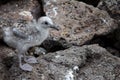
1	33
5	1
112	7
90	2
113	51
55	45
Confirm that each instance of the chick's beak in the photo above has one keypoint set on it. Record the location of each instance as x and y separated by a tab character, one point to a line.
56	27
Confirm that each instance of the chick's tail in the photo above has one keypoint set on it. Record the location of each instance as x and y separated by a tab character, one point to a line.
8	37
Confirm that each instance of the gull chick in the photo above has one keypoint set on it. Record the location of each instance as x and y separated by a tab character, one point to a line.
33	34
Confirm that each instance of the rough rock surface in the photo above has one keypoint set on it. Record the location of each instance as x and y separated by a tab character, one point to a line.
15	13
76	63
112	7
6	55
79	22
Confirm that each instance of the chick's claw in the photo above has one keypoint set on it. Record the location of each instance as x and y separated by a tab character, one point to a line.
26	67
30	59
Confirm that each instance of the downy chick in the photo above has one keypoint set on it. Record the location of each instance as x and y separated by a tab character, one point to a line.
34	34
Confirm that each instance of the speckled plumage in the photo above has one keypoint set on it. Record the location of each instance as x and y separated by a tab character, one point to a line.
32	35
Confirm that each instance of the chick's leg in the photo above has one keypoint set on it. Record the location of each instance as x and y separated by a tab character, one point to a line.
25	67
32	59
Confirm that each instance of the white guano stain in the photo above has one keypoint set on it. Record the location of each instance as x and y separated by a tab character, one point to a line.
69	75
57	56
55	11
75	68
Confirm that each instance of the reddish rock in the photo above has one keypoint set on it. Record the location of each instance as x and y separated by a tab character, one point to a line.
15	12
79	22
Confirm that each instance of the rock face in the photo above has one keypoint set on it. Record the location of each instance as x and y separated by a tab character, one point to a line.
112	7
79	22
76	63
6	60
15	13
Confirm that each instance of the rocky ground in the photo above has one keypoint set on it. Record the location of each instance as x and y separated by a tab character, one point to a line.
87	46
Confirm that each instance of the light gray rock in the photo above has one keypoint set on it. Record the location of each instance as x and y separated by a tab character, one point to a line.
90	62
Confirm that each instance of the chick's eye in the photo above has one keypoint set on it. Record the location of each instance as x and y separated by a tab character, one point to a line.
46	23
